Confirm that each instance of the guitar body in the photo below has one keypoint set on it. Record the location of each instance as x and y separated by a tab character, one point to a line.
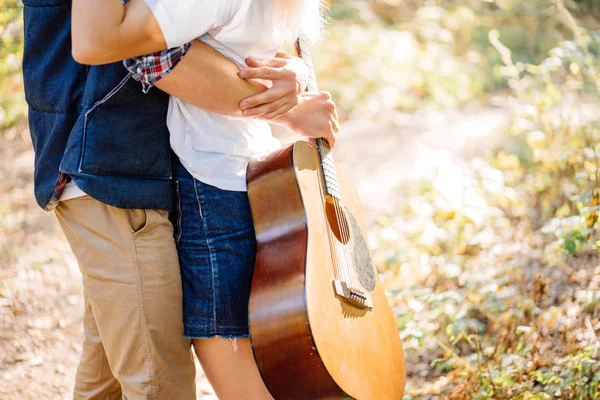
309	342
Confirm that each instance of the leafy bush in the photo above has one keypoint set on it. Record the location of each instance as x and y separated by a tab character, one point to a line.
493	265
410	54
482	316
12	100
559	135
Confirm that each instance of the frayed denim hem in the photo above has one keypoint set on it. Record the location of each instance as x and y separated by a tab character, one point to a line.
233	338
217	335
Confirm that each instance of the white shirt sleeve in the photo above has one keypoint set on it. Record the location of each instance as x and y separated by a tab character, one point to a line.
182	21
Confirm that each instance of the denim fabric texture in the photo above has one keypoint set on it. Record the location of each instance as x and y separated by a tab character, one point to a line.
92	123
217	249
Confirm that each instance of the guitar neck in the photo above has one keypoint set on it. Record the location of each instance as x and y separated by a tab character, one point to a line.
327	164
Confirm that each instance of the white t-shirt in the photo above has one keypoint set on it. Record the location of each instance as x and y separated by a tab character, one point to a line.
71	191
215	148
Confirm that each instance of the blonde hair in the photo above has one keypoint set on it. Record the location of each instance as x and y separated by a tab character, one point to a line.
301	17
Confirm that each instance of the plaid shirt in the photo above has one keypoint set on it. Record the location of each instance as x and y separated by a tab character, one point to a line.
151	68
147	70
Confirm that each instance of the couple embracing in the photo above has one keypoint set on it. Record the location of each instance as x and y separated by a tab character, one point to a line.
148	184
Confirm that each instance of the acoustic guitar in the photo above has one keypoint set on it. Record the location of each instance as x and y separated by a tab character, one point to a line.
321	326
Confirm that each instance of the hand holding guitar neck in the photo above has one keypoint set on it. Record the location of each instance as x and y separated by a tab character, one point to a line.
314	117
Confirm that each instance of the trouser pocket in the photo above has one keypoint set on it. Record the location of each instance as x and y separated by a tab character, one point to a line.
137	219
133	283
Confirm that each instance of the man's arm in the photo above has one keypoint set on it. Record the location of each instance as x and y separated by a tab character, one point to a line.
107	31
207	79
204	77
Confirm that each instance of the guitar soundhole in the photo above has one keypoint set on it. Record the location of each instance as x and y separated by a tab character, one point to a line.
336	217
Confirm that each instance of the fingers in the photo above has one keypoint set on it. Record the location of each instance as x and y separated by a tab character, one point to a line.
279	112
254	63
266	108
325	96
266	97
276	92
335	125
333	121
273	62
331	137
269	74
329	132
313	141
323	114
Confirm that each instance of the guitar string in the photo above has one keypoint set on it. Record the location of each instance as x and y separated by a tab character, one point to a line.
337	268
347	267
339	245
339	218
346	240
336	247
346	229
336	255
341	270
342	224
338	265
334	258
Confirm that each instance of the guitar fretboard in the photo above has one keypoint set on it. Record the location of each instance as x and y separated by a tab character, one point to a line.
328	166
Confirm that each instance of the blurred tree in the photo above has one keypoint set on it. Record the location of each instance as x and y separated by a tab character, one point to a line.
12	105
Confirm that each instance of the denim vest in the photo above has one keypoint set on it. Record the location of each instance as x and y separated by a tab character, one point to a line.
92	123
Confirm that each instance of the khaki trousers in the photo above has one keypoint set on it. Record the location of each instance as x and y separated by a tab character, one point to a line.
133	345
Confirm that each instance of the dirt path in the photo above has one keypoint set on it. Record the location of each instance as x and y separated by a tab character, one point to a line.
41	305
40	290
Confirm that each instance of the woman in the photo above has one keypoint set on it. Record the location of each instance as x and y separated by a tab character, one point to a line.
215	233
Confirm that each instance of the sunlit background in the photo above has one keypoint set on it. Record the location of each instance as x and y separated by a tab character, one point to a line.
471	129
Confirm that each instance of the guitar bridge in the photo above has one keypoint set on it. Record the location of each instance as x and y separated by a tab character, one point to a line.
356	297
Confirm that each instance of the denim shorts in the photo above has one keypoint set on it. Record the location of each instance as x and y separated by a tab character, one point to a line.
217	248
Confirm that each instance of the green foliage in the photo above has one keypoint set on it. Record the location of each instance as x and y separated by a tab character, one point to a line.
495	263
560	128
12	100
478	304
410	54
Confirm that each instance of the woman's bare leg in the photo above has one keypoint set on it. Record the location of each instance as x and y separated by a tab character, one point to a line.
230	368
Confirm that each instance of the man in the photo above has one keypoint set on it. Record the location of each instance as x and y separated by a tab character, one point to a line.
97	135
